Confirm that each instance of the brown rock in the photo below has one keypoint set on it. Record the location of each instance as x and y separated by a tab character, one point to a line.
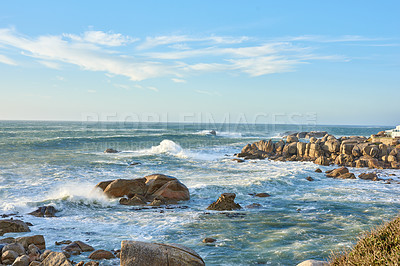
55	259
318	170
84	247
141	253
290	149
337	172
156	181
173	190
395	165
110	151
322	160
368	176
347	176
8	257
101	254
21	261
344	159
34	263
238	160
16	247
291	138
309	178
63	242
103	184
262	195
225	203
124	187
391	159
301	149
254	206
44	255
92	263
73	249
13	226
209	240
44	211
134	201
37	240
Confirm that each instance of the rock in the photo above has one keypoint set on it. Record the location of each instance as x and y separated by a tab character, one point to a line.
347	176
344	159
44	255
141	253
315	134
337	172
134	201
291	138
290	149
81	263
84	247
21	261
156	181
314	150
301	149
73	249
173	190
368	176
44	211
212	132
322	160
55	259
301	135
395	165
318	170
7	240
8	257
254	206
103	184
313	263
34	263
346	148
63	242
157	202
225	203
391	159
124	187
13	226
262	195
17	247
37	240
101	254
110	151
209	240
238	160
309	178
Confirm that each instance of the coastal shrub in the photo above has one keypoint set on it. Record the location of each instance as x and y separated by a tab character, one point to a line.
381	246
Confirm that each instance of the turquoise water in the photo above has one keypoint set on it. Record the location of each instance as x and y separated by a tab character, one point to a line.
59	163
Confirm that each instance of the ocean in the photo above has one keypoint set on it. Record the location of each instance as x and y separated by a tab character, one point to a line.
59	163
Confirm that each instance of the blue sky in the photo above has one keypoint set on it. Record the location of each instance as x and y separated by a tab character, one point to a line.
312	62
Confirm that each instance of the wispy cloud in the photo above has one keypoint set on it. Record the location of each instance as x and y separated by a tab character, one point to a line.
209	93
174	56
178	80
5	60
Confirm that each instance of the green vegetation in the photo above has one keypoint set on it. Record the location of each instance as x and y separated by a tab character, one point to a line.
378	247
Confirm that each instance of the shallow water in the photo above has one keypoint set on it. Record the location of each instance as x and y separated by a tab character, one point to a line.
59	163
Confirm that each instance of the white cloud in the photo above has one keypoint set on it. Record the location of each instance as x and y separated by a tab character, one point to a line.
99	51
152	42
178	80
153	88
5	60
92	91
102	38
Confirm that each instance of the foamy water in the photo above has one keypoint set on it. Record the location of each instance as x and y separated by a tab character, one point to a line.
301	219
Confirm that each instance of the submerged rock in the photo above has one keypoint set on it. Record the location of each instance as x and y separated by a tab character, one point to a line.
13	226
225	203
110	151
262	195
309	178
136	253
209	240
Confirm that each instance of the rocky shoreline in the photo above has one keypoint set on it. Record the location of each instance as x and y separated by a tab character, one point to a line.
378	151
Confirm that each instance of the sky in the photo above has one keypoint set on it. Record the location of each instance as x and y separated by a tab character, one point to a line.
287	62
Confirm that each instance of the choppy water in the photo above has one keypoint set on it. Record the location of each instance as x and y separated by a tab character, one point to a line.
59	163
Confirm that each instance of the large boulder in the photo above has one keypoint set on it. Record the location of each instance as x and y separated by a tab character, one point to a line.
16	247
8	257
101	254
344	159
136	253
13	226
291	138
301	149
290	149
37	240
124	187
368	176
226	202
55	259
21	261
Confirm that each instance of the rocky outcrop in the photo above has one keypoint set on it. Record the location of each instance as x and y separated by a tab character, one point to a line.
13	226
325	149
166	189
136	253
37	240
226	202
44	211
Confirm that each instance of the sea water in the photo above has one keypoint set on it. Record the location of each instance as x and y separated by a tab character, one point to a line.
59	163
